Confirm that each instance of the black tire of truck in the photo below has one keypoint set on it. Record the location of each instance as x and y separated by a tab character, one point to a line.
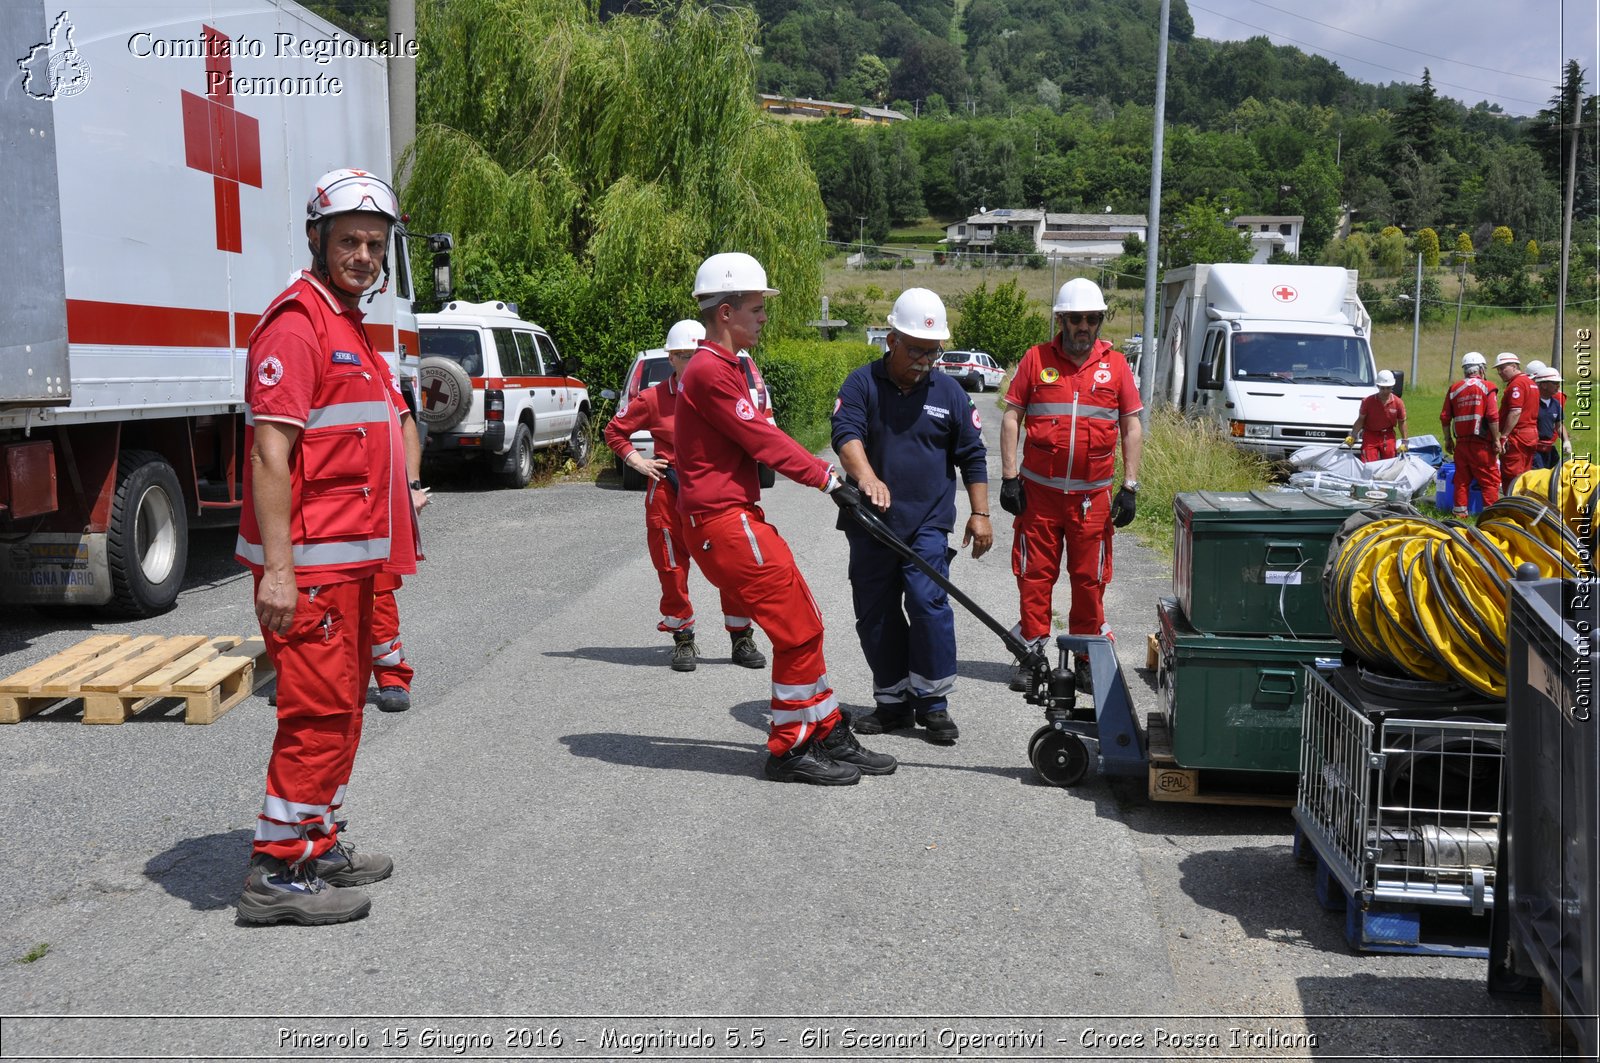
517	469
147	544
580	446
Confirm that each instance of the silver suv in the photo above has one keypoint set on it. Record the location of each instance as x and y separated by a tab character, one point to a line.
493	388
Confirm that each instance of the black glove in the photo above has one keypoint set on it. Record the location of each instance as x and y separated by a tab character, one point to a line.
845	496
1122	507
1012	500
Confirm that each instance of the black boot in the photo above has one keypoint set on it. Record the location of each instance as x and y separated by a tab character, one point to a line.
811	763
843	746
684	651
744	649
883	719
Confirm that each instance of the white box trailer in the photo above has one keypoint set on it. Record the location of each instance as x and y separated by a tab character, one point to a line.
157	157
1278	355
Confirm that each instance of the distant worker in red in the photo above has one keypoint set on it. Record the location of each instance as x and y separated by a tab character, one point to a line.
333	448
1472	433
1519	418
1381	414
1070	400
721	437
655	410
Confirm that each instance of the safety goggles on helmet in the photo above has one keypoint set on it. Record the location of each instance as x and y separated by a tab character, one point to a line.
348	191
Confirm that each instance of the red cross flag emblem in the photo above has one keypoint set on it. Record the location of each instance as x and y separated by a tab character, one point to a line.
1285	293
220	140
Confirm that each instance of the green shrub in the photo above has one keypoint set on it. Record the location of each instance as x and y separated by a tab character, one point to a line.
999	322
804	377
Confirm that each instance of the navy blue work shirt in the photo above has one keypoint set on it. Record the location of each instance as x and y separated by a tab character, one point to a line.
915	442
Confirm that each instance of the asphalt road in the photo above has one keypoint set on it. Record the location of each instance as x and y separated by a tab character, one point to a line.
589	864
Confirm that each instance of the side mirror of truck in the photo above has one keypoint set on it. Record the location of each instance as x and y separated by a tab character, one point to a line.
1399	383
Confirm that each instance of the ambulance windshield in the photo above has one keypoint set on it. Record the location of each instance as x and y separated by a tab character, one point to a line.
1297	358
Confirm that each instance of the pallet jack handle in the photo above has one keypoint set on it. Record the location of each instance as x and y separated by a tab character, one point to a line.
873	526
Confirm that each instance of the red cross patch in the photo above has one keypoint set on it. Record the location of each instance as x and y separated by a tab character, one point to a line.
977	422
1285	293
745	411
270	371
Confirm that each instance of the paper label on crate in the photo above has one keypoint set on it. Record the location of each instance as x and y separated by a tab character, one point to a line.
1283	579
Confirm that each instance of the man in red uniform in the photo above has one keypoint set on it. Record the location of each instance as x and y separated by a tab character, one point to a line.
1519	418
1472	432
720	439
655	410
332	449
1376	421
1076	394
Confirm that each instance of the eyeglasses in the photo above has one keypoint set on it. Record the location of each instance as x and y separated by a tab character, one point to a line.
920	354
1079	319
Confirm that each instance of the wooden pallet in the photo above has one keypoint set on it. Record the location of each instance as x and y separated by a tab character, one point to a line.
1202	786
116	676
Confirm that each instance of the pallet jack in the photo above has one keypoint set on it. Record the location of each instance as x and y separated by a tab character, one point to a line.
1059	750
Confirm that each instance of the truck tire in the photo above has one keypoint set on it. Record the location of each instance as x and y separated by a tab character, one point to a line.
444	393
518	468
579	445
147	544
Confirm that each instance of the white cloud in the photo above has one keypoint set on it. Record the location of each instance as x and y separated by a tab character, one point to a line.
1508	52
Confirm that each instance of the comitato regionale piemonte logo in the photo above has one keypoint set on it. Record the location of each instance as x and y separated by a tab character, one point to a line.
54	69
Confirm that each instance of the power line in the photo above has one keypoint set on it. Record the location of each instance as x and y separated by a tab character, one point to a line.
1318	49
1401	47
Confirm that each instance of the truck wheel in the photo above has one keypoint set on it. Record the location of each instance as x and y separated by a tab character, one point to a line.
147	545
518	468
579	445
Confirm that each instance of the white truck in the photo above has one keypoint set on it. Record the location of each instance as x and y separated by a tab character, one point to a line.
157	160
1278	355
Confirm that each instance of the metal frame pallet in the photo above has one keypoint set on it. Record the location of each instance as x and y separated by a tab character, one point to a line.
1410	929
117	676
1170	782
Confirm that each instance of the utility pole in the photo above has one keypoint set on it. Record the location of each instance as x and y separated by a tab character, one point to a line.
402	74
1461	292
1576	131
1416	322
1152	247
861	241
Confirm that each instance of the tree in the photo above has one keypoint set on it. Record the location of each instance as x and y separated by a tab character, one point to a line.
1420	124
1463	246
1502	235
1428	244
1390	252
999	322
868	82
1418	191
1516	194
1553	128
1531	253
1502	273
1201	233
611	156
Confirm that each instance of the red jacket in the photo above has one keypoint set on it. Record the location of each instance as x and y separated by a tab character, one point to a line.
1073	414
721	437
311	366
654	410
1379	417
1468	406
1521	393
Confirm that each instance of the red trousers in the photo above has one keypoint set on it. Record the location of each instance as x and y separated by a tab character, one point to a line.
749	562
389	666
323	664
1376	446
669	553
1517	459
1475	460
1082	521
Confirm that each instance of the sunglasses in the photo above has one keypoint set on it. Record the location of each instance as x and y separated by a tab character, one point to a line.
920	354
1079	319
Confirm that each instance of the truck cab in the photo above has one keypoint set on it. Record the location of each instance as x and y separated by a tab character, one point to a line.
1278	356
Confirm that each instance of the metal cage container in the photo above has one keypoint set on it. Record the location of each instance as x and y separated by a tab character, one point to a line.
1401	810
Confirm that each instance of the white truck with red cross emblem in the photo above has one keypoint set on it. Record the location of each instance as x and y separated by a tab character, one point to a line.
158	158
1279	356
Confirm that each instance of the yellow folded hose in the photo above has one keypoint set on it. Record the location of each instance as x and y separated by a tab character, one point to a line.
1427	598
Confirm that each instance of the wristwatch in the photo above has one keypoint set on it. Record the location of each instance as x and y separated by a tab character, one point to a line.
1131	485
416	485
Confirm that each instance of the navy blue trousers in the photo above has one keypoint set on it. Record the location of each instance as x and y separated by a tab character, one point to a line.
904	620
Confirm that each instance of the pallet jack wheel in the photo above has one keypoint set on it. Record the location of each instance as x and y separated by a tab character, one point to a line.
1036	737
1061	758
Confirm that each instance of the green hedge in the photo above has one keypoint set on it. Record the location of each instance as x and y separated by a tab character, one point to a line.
804	377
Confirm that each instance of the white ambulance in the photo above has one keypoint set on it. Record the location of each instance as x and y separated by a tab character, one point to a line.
157	161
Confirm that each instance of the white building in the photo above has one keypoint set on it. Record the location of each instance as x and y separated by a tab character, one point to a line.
1271	233
1091	237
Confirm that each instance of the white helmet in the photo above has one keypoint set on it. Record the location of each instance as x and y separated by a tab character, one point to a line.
346	191
685	335
1385	378
1550	373
730	273
1473	358
920	314
1080	295
1535	368
1507	358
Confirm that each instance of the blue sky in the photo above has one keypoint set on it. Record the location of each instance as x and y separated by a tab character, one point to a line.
1507	52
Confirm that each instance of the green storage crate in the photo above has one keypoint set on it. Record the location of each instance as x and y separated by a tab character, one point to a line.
1250	562
1234	704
